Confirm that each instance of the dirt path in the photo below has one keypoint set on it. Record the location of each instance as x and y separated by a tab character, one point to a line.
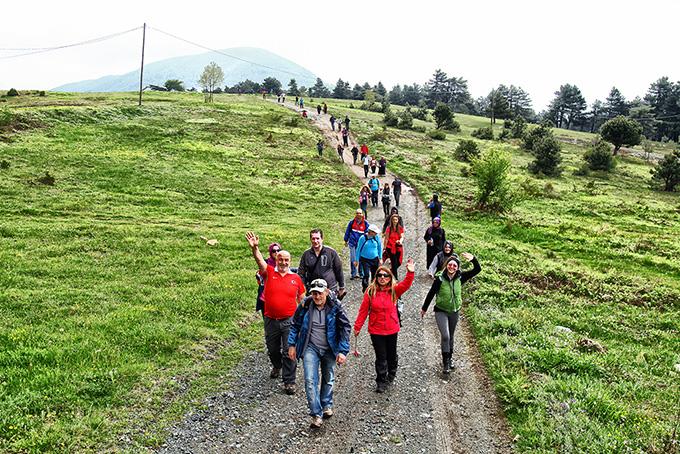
423	412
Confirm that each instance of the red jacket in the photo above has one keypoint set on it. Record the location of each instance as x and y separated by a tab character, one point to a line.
382	319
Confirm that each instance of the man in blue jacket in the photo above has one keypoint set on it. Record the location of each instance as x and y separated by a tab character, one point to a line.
355	229
369	252
319	335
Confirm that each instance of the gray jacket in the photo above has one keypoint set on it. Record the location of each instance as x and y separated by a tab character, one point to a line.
326	266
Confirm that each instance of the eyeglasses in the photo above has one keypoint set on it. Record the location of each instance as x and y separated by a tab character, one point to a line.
276	251
382	275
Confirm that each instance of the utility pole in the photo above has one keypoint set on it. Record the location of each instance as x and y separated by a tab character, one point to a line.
141	71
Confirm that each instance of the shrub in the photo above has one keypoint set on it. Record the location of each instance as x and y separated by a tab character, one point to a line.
436	134
599	156
504	135
547	153
443	118
667	171
390	119
41	93
405	119
420	129
536	134
531	188
621	131
293	121
467	150
492	176
46	179
4	164
421	114
12	92
519	127
484	133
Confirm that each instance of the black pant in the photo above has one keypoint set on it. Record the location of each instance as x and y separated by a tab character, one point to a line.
386	358
365	171
394	261
368	268
374	198
396	197
276	338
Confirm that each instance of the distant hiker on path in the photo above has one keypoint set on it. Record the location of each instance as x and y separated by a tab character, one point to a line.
374	164
297	100
319	147
318	109
396	190
366	162
382	166
446	289
325	108
374	184
394	244
341	150
345	137
283	290
369	251
435	236
302	103
356	228
393	210
380	306
320	336
386	200
440	259
332	122
355	153
364	150
347	120
364	196
435	206
322	262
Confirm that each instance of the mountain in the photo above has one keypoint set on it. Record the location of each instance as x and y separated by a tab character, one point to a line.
189	68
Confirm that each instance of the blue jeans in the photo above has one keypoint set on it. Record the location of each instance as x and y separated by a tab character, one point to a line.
318	401
352	259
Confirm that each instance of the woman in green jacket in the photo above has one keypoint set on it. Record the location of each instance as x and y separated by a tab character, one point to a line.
446	289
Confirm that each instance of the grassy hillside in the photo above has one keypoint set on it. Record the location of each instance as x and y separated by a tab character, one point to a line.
583	259
114	314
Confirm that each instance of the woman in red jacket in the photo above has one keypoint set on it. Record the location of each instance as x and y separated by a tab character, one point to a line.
380	306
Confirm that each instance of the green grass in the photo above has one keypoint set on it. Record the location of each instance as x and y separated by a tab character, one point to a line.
599	255
114	316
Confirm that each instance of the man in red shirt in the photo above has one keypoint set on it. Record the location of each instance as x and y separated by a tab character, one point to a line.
283	290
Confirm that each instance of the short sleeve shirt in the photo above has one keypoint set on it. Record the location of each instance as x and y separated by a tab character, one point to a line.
280	293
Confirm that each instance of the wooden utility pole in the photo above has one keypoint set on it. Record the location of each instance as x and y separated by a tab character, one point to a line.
141	71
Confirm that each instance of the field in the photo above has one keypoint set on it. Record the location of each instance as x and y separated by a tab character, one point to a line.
578	310
116	316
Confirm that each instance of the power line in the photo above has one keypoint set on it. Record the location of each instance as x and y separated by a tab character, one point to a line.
227	55
81	43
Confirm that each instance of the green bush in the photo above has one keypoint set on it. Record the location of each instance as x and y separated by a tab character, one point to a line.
504	135
390	119
599	156
421	114
667	171
492	176
443	118
405	119
484	133
12	92
436	134
519	127
467	150
536	134
547	152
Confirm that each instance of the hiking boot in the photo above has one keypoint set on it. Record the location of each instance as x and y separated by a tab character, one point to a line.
390	378
316	422
327	413
276	371
289	388
446	362
381	387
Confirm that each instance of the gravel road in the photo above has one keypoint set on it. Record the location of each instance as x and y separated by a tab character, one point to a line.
422	412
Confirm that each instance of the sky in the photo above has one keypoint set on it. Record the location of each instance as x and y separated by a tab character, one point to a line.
538	45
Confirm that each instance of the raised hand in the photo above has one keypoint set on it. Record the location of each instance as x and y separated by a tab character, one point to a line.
410	265
253	240
467	256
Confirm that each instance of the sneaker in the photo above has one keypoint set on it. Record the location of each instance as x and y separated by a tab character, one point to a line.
381	387
289	388
327	413
275	372
316	422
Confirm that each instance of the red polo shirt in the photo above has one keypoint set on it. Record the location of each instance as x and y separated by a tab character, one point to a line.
280	293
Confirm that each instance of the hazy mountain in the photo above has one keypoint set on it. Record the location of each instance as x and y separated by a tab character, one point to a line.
189	68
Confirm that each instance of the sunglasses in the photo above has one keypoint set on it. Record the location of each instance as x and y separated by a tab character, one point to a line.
275	251
382	275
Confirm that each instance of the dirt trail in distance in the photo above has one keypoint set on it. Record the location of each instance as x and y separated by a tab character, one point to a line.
422	412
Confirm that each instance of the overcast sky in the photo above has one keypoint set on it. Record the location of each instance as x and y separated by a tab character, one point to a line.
538	45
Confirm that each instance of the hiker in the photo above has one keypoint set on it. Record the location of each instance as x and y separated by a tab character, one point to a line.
345	137
319	147
435	236
347	122
340	152
380	305
355	229
319	335
374	185
364	196
435	206
318	109
440	259
302	103
393	210
374	164
364	150
297	100
366	161
394	245
355	154
369	251
283	290
382	166
278	99
274	249
446	290
386	200
332	122
283	98
304	113
325	108
396	190
323	262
